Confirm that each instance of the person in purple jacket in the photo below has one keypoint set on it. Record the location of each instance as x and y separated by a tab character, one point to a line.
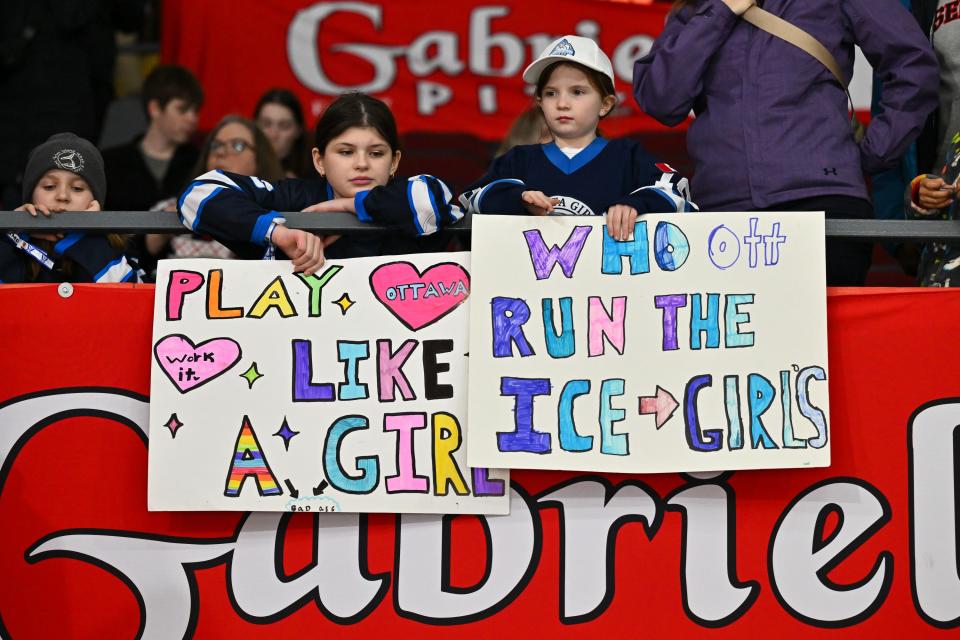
772	131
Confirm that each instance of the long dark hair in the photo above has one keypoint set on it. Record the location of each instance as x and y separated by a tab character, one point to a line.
356	110
268	166
298	160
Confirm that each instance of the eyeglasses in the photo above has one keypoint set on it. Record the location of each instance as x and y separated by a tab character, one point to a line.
235	145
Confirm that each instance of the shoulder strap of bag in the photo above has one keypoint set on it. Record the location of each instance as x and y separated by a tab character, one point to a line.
776	26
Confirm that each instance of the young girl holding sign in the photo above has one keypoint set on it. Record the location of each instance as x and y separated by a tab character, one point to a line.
584	173
356	155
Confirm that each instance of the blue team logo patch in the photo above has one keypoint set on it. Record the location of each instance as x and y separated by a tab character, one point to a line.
563	48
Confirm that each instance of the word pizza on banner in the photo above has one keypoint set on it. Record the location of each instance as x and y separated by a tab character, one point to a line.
697	344
340	391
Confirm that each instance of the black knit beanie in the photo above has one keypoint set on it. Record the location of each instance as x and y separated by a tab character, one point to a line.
69	152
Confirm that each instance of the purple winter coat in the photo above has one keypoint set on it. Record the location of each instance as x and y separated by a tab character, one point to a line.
772	123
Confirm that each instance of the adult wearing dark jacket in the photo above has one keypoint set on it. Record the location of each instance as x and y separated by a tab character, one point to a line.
137	188
148	173
159	164
772	130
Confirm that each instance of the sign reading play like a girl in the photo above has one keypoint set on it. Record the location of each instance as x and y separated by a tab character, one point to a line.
340	391
698	344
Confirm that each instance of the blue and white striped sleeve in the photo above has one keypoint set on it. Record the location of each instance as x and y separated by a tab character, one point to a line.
499	196
417	206
661	188
499	191
103	262
233	209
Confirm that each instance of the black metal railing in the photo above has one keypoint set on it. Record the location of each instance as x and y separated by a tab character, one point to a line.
166	222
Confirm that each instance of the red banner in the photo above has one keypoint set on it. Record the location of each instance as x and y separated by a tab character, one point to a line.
867	547
453	68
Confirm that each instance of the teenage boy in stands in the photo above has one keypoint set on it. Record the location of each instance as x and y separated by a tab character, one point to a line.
148	172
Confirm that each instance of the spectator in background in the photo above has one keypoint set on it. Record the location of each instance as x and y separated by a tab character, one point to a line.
236	145
934	194
280	116
772	130
888	186
528	128
158	164
149	171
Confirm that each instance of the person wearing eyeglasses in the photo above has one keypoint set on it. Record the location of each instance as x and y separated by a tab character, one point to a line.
236	145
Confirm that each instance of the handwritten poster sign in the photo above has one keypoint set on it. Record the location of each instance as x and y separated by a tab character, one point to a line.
697	345
340	391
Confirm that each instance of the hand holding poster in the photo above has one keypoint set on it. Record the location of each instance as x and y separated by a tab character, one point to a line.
699	344
340	391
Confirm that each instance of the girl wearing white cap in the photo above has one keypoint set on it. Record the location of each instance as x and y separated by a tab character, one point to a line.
578	172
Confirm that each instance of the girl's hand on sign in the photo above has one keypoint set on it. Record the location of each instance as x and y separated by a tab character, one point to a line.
621	220
304	249
935	193
337	205
538	203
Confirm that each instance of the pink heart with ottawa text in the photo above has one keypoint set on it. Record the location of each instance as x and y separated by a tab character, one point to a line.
420	299
189	366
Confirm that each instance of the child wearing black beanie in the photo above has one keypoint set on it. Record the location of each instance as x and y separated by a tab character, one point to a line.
65	173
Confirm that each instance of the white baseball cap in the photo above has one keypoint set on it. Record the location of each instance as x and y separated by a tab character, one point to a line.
570	49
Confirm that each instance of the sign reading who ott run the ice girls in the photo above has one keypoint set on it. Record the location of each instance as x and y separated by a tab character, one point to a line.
697	345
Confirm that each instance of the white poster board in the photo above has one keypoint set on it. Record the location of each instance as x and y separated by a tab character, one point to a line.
698	345
342	391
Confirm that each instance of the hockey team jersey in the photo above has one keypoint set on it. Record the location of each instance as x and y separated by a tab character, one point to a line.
241	212
92	258
605	173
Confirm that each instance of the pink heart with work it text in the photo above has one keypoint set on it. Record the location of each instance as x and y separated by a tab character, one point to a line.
189	366
418	300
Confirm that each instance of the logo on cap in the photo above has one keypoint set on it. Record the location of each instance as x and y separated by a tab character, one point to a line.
563	48
68	160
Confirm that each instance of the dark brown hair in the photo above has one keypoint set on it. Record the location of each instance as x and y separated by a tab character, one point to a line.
599	81
115	240
169	81
356	110
298	161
